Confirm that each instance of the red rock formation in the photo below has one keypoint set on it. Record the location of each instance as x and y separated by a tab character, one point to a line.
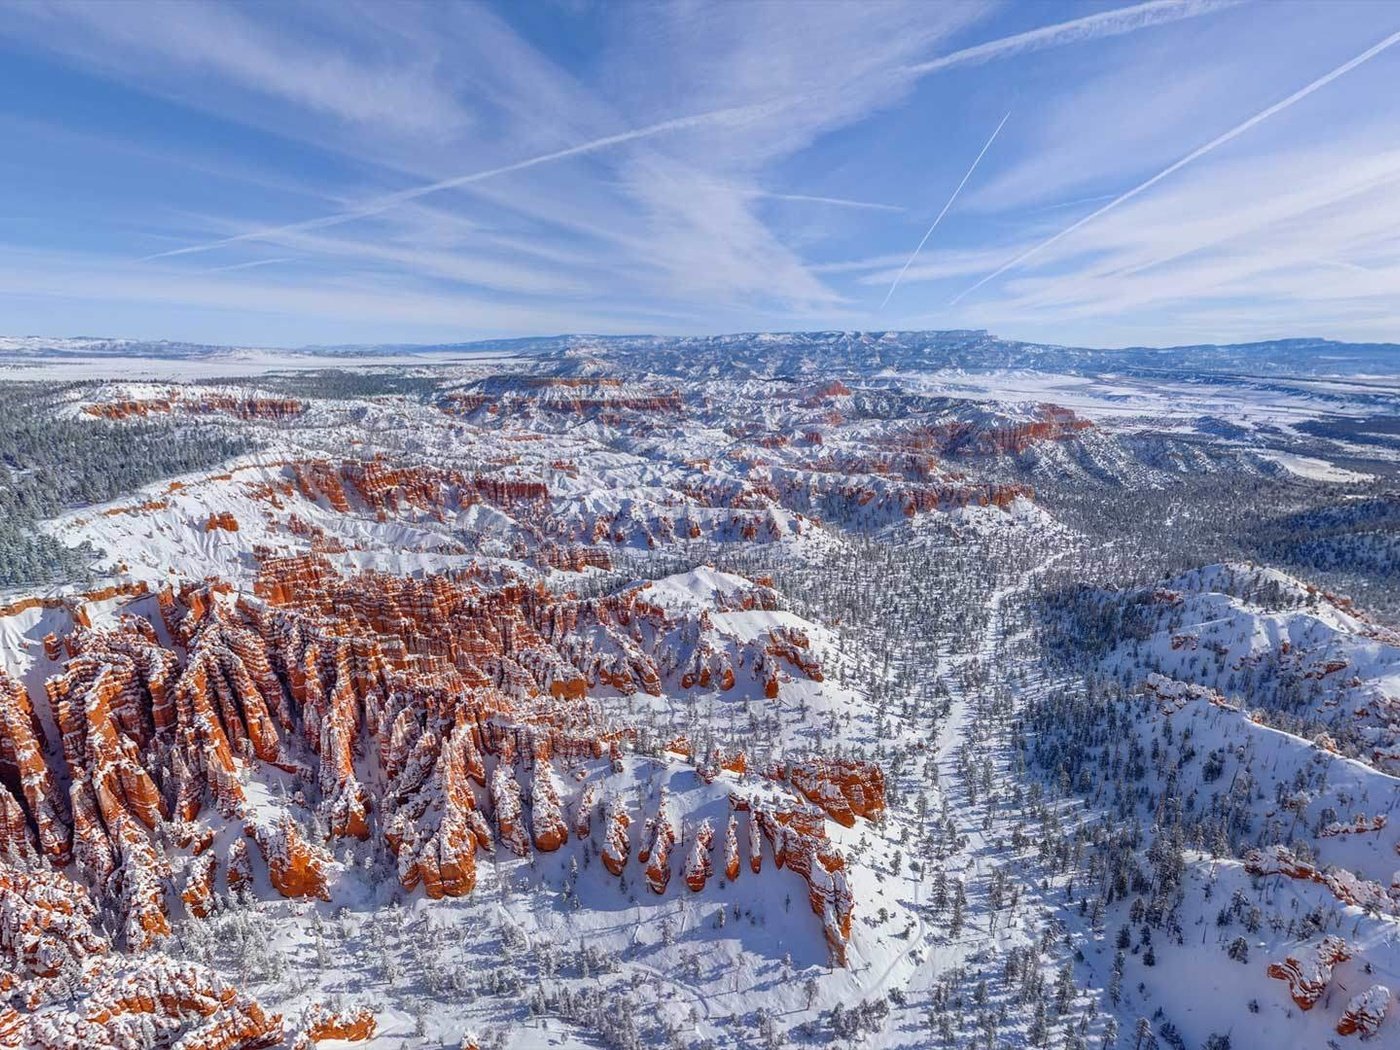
129	408
198	893
33	810
583	810
353	1026
616	845
792	645
104	706
434	824
1365	1012
385	487
574	395
659	835
1346	886
317	479
440	676
572	558
462	403
698	866
799	843
262	408
510	820
221	520
510	492
296	868
755	845
240	868
547	825
182	1004
844	788
731	848
1310	969
45	924
1360	825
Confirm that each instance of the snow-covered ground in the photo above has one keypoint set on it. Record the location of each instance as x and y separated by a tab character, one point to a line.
1064	851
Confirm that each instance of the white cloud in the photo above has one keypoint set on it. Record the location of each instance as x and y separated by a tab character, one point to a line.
199	39
714	164
1196	154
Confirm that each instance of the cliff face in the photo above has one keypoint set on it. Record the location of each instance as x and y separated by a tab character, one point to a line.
1365	1012
1309	971
127	1002
606	399
467	700
275	409
49	947
843	788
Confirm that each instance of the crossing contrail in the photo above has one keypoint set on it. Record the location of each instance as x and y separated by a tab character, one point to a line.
392	200
929	233
1107	23
1196	154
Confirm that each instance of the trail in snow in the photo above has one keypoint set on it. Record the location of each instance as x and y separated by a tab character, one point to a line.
953	731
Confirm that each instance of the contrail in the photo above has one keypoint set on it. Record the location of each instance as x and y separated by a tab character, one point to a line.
1108	23
1091	27
392	200
907	262
1196	154
837	202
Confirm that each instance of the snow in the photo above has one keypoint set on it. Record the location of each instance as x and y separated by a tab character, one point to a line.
960	794
1316	469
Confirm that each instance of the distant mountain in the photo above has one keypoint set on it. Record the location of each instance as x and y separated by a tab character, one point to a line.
774	354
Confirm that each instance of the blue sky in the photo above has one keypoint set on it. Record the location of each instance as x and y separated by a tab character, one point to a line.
273	174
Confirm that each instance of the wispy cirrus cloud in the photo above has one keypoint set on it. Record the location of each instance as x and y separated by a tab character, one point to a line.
708	165
1190	158
176	45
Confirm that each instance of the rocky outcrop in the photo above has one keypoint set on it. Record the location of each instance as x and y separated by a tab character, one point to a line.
434	824
198	893
155	1001
105	704
1365	1012
659	835
583	810
844	788
994	436
798	839
1173	695
602	398
462	700
69	990
718	762
32	815
510	819
131	408
1360	825
45	924
792	645
755	843
295	868
731	848
274	409
1346	886
353	1026
547	825
1309	970
617	845
239	877
698	865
